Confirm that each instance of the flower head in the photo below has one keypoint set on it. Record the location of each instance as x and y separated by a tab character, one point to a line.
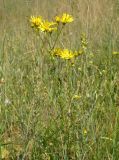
47	26
35	21
66	54
63	53
65	18
40	24
57	52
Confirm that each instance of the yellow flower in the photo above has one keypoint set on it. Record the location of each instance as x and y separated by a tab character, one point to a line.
66	54
57	52
35	21
46	26
115	52
57	18
65	18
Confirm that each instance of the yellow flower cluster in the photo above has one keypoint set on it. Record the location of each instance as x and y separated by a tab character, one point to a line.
47	26
39	23
42	25
65	53
65	18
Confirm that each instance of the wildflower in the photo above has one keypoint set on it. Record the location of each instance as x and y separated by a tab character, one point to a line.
46	26
115	53
57	52
35	21
57	19
64	54
65	18
67	54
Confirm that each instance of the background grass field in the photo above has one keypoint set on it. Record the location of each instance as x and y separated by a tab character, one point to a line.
51	110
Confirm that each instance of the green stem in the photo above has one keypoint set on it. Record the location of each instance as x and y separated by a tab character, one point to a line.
57	37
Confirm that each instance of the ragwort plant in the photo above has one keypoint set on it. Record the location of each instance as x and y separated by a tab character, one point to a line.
62	136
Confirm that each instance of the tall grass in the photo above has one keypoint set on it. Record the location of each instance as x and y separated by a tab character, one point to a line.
50	109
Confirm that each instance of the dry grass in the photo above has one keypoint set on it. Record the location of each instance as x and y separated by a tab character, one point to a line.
39	117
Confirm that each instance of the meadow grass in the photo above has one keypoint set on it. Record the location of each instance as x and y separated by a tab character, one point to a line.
49	108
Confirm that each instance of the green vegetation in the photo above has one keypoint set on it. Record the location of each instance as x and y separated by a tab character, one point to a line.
59	108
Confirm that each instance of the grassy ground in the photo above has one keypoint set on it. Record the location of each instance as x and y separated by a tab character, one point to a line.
49	109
